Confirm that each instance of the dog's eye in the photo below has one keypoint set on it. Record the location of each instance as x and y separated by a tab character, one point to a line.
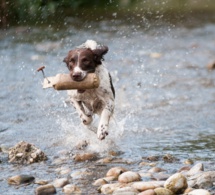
86	62
72	60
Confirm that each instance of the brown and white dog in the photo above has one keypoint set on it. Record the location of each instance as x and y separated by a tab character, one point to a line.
85	59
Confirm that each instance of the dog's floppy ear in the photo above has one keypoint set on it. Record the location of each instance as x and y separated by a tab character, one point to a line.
98	54
65	60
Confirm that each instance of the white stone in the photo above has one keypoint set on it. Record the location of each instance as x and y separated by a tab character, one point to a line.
199	192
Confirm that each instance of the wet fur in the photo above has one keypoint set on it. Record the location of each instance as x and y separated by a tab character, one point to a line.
81	61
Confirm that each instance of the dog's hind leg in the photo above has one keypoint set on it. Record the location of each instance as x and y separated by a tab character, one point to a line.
86	119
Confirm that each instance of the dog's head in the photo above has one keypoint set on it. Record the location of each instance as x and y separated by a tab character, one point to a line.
84	60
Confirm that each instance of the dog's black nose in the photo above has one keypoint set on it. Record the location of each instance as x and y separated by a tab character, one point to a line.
77	76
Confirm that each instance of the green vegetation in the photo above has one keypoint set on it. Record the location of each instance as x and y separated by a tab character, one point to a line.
25	11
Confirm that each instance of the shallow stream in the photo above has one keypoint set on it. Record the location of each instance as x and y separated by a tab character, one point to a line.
165	96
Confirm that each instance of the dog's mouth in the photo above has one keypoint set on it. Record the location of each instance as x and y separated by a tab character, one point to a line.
81	90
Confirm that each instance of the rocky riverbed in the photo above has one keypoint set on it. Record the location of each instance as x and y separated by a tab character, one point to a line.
109	174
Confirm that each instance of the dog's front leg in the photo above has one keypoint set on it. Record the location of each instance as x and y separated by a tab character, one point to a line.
104	121
86	119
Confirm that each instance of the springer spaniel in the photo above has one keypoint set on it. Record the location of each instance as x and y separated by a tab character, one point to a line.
85	59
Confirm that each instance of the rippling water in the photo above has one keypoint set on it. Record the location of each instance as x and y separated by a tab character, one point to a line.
165	96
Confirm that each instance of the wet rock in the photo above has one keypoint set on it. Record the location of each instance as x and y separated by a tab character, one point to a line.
25	153
105	160
176	183
147	164
85	157
71	189
129	176
199	192
168	158
195	169
155	55
20	179
184	169
110	188
142	186
147	192
153	158
163	191
45	190
125	191
211	66
100	182
41	182
59	183
115	172
156	170
188	162
202	180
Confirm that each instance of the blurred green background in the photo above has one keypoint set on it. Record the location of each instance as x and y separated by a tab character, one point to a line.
41	11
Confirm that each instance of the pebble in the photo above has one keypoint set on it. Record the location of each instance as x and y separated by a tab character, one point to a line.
71	189
188	162
20	179
147	164
156	170
45	190
115	171
85	157
142	186
147	192
129	176
176	183
195	169
41	182
199	192
59	183
100	182
211	66
125	191
110	188
163	191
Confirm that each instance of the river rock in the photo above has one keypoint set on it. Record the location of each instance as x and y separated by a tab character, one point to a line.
45	190
156	170
20	179
168	158
195	169
41	182
110	188
199	192
71	189
25	153
115	172
129	176
100	182
176	183
142	186
147	192
163	191
202	180
59	183
125	191
85	157
211	66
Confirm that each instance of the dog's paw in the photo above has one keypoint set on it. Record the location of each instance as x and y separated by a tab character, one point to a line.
86	119
102	132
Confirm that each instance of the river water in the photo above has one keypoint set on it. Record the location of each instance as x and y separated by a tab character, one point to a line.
165	95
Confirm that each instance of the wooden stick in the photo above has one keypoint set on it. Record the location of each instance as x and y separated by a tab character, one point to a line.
64	82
